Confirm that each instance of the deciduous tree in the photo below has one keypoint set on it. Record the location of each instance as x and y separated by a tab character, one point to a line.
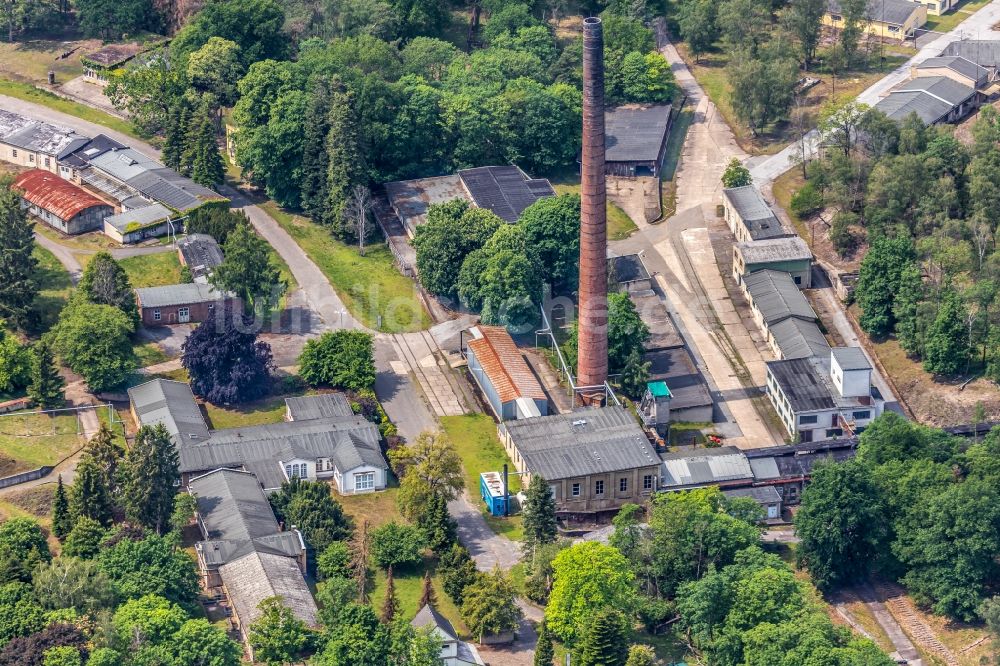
226	362
94	341
429	466
277	637
150	566
396	545
342	359
489	605
69	582
736	175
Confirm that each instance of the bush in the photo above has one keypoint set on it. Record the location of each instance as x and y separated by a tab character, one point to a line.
396	545
341	359
843	239
807	201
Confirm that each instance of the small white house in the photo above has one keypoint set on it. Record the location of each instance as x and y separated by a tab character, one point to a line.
453	651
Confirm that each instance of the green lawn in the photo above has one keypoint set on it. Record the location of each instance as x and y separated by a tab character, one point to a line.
258	412
948	22
475	438
33	440
370	286
54	287
409	585
620	225
149	353
90	241
152	270
30	93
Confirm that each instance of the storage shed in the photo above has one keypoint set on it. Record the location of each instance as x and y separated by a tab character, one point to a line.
59	203
635	139
178	303
507	383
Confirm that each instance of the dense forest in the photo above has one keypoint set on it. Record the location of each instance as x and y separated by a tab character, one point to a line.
926	204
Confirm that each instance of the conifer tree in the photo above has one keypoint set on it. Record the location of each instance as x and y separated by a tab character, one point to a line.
315	162
539	516
427	595
17	262
178	118
107	454
605	643
150	471
438	524
345	165
202	151
46	387
62	521
390	606
88	497
544	651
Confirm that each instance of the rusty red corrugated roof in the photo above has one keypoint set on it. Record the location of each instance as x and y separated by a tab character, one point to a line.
56	195
503	364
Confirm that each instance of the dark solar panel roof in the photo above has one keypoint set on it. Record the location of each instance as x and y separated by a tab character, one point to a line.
635	133
801	383
505	190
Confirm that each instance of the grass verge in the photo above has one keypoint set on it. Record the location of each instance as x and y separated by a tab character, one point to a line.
474	437
54	287
409	584
370	286
149	353
29	93
961	12
33	440
620	225
152	270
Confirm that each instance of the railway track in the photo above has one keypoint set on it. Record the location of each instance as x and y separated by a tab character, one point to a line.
896	601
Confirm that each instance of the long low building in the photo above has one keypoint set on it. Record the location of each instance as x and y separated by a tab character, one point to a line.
595	460
789	255
508	384
244	551
179	303
895	19
59	203
748	215
934	99
321	439
775	298
34	144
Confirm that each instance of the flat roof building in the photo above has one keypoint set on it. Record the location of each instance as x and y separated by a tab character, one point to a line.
59	203
595	460
635	138
504	190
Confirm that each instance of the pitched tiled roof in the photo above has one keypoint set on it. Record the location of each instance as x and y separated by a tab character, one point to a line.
54	194
503	364
258	576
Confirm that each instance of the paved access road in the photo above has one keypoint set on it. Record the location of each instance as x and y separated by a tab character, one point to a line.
978	26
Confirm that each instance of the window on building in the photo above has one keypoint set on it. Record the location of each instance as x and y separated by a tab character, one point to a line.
798	279
836	17
14	153
31	157
863	414
834	432
364	481
599	487
156	315
623	484
575	490
647	482
808	419
183	312
46	161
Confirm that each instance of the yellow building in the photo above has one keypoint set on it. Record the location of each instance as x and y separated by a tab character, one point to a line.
36	145
895	19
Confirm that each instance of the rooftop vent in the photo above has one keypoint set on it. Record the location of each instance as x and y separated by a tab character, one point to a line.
580	422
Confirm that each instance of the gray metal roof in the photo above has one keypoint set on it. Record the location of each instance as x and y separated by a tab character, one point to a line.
327	405
896	12
142	216
505	190
851	358
676	368
803	384
757	216
764	468
899	105
942	87
46	138
662	331
587	441
153	180
963	66
799	339
428	616
635	133
177	294
348	441
704	467
984	52
172	404
232	506
201	254
777	297
759	494
257	576
791	248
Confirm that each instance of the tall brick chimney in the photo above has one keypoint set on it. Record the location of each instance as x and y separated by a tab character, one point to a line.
592	355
